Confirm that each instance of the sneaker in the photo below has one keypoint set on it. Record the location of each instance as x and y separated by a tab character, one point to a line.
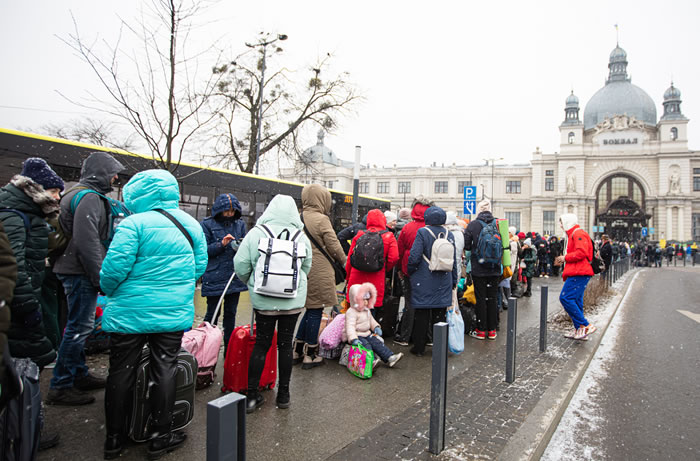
375	363
394	359
570	334
400	342
254	401
590	329
68	397
492	334
429	344
89	382
478	334
164	444
581	333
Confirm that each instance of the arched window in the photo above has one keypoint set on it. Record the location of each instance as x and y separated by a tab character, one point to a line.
674	133
572	137
616	186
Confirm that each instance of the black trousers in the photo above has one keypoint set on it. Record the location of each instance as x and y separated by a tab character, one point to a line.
486	292
422	322
125	352
265	330
408	317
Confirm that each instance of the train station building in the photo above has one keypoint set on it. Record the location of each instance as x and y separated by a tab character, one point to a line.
621	168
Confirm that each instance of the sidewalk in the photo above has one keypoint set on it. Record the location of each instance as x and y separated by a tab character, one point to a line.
337	416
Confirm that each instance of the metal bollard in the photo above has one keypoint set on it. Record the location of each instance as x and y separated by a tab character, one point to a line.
543	318
510	339
438	389
226	428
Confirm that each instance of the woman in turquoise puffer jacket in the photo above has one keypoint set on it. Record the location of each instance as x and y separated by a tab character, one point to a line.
149	277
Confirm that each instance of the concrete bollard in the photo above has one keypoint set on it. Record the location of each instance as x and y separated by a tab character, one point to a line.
438	389
510	339
226	428
543	318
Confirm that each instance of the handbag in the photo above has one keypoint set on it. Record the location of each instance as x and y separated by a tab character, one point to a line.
360	361
507	272
339	271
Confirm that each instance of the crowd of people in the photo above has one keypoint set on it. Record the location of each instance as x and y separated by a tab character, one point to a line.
147	258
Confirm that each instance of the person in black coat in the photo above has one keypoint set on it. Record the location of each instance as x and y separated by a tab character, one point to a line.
606	252
555	250
486	277
346	235
224	230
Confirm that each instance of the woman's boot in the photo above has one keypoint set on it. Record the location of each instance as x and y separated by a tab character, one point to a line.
311	358
254	400
297	351
283	396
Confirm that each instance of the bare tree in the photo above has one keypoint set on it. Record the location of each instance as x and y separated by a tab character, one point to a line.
287	107
91	131
155	87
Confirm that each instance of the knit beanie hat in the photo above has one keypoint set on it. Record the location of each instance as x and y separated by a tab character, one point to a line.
41	173
405	214
484	205
512	230
527	242
521	235
390	216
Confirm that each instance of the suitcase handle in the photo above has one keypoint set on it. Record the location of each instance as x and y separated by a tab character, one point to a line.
221	299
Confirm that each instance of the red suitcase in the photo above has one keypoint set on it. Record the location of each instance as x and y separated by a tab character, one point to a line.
240	347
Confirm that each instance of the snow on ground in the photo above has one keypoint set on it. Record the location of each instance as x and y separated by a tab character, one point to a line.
583	416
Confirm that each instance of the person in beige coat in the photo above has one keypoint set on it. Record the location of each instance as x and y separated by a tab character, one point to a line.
320	290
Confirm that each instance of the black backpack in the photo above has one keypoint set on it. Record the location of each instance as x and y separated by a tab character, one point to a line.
368	255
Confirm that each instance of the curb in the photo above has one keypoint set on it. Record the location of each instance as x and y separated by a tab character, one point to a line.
533	436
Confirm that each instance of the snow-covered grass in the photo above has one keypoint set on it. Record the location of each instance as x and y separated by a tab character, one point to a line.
583	416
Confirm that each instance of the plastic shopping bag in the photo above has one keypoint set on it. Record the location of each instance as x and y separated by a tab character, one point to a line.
360	361
455	335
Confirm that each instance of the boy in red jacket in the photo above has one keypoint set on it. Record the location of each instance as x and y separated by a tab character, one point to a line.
577	274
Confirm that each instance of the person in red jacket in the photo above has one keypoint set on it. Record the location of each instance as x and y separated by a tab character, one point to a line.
376	222
406	238
577	274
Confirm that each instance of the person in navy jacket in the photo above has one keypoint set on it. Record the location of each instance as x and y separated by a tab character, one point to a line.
224	230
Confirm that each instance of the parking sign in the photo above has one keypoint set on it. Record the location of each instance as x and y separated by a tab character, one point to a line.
470	193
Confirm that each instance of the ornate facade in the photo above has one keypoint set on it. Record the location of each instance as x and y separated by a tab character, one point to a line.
620	170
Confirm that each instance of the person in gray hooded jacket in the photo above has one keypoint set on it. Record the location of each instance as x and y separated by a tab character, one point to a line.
78	269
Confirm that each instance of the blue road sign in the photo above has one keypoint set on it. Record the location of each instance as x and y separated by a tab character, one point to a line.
470	207
595	228
651	231
644	231
469	193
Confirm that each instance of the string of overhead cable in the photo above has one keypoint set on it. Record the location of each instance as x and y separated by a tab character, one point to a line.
41	110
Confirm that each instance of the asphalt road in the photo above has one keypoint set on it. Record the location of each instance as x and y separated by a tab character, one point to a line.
330	407
639	399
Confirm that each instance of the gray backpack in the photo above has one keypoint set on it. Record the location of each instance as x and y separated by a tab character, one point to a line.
442	254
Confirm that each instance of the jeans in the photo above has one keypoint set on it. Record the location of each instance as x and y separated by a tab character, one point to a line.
408	316
571	298
375	344
265	329
486	291
82	300
230	305
423	319
309	326
124	357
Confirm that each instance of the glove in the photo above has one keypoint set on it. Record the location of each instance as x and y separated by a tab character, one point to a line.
356	342
378	331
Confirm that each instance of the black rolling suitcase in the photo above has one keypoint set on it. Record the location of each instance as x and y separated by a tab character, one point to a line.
20	421
183	411
388	313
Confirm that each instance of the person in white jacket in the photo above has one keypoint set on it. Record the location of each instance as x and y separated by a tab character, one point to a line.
458	234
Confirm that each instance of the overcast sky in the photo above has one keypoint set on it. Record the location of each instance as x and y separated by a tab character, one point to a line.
443	81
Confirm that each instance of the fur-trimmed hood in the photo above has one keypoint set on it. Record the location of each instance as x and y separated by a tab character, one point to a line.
49	205
360	293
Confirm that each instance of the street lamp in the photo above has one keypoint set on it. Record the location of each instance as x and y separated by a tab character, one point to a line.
493	165
262	43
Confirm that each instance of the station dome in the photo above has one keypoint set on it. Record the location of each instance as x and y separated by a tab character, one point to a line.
619	96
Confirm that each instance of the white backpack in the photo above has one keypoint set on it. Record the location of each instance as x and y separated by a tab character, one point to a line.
442	254
278	268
